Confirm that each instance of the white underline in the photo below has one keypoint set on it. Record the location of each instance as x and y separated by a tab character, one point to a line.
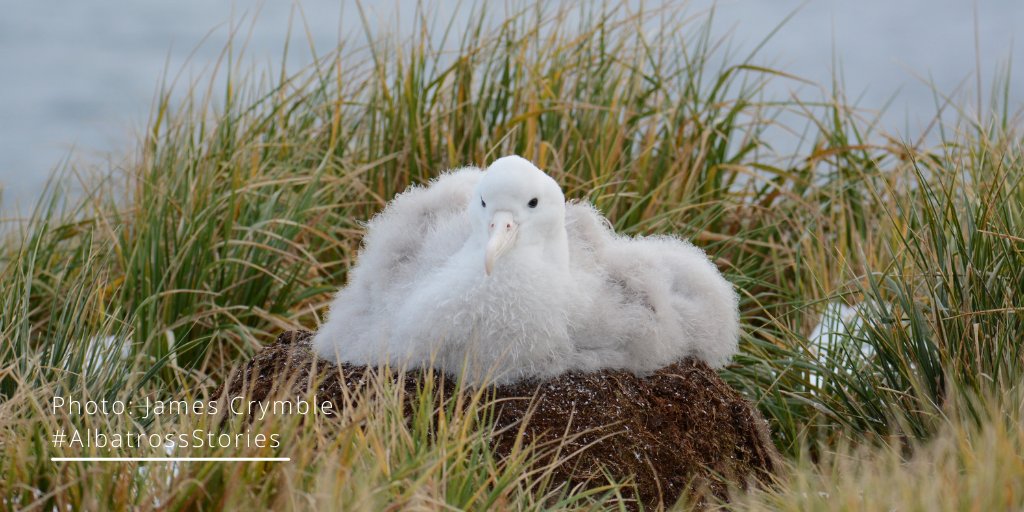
169	459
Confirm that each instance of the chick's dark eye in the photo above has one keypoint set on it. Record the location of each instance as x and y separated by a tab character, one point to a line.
532	203
482	203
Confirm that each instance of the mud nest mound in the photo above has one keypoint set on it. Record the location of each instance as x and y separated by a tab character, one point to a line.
681	431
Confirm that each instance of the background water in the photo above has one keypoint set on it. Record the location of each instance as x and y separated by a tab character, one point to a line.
77	79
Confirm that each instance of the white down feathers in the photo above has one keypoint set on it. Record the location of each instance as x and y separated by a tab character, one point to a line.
564	292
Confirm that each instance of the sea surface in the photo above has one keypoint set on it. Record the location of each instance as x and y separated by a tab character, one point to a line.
78	79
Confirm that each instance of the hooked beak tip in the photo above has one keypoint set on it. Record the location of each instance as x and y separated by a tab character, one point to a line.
500	241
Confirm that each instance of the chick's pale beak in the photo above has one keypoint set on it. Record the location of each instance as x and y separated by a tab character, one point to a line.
503	230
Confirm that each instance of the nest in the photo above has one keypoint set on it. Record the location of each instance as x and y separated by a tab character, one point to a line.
681	431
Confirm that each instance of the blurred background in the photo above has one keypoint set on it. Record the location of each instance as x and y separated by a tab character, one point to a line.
77	79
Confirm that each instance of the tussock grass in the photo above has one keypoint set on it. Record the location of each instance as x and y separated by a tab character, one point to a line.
968	465
241	212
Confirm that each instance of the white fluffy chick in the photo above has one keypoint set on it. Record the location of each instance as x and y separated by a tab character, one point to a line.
491	276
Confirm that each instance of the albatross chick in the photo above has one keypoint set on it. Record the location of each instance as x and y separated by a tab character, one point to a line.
491	276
